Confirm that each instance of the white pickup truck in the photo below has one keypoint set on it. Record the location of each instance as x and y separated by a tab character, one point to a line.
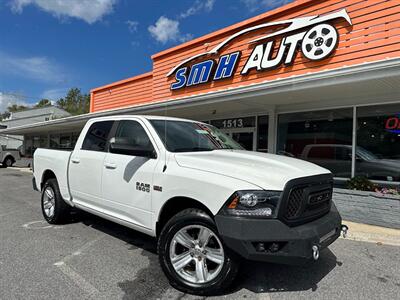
8	156
209	202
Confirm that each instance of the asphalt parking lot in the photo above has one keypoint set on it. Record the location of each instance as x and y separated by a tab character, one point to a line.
91	258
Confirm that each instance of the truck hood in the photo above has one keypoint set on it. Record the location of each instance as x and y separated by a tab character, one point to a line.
267	171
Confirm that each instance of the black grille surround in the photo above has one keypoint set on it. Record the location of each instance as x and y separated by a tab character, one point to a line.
306	199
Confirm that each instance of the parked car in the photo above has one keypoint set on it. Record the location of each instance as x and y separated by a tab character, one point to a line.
8	156
337	158
209	202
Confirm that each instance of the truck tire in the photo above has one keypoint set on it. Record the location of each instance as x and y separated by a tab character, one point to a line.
54	208
8	162
193	256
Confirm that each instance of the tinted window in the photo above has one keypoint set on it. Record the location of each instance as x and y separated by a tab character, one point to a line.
262	134
321	152
343	153
132	133
319	136
96	137
378	142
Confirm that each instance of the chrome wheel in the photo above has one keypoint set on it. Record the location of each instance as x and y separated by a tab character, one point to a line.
196	254
49	203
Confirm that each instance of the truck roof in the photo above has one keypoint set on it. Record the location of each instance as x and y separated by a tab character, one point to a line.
147	117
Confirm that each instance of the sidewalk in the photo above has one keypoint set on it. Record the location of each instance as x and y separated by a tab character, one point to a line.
372	234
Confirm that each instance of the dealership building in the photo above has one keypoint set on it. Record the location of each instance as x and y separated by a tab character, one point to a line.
315	79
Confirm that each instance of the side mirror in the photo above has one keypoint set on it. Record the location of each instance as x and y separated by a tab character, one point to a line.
126	149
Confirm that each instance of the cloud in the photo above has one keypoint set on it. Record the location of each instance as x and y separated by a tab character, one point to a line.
39	68
255	5
54	94
90	11
197	7
166	30
8	99
132	26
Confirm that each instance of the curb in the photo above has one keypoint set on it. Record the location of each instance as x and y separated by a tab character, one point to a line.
372	234
21	169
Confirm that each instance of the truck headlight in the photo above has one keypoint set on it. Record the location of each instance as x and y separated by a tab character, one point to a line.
261	204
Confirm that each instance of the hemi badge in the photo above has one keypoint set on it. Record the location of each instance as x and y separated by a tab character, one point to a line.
157	188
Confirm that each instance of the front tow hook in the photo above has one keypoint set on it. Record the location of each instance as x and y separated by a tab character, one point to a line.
344	230
315	252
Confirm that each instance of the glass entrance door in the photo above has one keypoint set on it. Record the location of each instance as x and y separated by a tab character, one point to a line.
244	136
242	130
245	139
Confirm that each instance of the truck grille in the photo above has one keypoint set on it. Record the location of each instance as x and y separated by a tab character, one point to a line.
306	199
294	203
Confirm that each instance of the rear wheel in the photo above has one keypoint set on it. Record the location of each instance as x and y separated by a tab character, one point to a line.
193	256
8	162
54	208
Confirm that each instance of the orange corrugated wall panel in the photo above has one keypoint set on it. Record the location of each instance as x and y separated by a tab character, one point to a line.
374	35
132	91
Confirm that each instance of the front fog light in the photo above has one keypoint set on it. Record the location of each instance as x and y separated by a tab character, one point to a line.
253	204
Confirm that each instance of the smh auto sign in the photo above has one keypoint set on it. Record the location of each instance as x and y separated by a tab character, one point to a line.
313	34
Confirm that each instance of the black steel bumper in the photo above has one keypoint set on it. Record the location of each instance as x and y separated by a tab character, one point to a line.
271	240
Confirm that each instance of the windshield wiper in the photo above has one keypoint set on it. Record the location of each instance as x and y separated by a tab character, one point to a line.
194	149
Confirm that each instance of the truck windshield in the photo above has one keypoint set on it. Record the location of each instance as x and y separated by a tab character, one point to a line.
185	136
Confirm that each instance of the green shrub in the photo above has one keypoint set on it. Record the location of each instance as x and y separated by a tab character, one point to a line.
360	183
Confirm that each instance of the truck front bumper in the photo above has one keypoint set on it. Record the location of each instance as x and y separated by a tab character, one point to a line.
271	240
34	186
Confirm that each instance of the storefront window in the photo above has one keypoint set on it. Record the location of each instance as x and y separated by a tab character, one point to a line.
262	134
321	137
378	142
28	141
54	141
39	142
74	139
65	141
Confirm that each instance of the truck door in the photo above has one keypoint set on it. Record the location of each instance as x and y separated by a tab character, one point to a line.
128	178
86	165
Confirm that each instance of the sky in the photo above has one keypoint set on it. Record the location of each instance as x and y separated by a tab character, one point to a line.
49	46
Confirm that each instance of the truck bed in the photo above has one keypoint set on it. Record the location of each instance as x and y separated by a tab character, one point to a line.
56	161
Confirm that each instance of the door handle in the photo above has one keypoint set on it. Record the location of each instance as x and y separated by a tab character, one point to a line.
110	165
75	160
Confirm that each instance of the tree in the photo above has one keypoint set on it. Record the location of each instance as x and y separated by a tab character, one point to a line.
4	115
15	108
75	102
43	103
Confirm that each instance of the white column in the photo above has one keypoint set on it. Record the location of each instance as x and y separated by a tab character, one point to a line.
354	143
272	130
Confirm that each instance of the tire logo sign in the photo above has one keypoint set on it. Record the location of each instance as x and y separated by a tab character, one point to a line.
317	40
